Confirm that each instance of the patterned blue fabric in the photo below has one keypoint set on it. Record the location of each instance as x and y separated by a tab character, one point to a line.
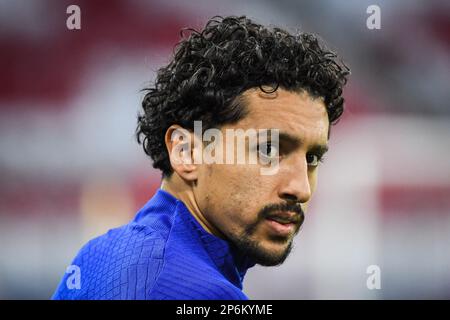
163	253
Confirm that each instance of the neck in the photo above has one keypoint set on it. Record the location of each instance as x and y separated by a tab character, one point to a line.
184	192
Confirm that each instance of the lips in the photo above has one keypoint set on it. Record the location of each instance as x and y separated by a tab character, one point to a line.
281	229
284	223
285	217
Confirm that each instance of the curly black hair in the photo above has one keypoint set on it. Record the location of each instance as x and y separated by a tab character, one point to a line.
211	68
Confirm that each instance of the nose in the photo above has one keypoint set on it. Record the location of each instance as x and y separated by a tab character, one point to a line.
296	185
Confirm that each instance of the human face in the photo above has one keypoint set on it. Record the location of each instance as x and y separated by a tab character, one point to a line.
261	214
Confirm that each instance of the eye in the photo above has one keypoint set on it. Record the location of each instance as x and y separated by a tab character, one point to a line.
268	150
313	159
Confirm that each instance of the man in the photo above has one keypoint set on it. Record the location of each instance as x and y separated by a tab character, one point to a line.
211	221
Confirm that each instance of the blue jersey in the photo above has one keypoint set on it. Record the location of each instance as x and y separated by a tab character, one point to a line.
163	253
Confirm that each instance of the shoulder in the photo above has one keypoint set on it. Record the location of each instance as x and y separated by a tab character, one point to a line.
125	240
129	244
120	264
193	282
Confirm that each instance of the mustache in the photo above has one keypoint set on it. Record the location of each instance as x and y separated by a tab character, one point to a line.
280	210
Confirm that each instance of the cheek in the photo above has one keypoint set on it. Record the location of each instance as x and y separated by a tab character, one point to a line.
235	195
235	180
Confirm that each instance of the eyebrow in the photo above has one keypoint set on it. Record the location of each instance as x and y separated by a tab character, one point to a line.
320	149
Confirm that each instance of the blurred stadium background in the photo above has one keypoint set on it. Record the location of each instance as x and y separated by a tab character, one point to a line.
70	168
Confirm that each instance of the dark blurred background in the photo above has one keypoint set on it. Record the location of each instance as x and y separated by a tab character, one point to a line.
70	168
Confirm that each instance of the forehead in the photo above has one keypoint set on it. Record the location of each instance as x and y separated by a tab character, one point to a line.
295	112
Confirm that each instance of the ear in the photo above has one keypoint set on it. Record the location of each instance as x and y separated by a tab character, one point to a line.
180	147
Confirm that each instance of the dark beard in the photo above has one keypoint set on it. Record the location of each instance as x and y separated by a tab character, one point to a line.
258	254
254	250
